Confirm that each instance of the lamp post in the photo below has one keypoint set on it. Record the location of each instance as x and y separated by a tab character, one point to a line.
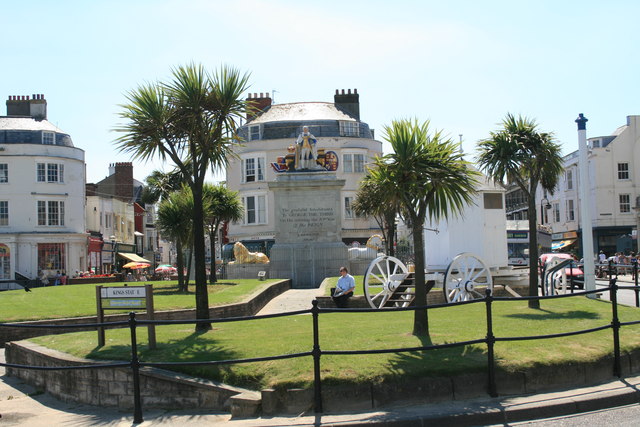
544	207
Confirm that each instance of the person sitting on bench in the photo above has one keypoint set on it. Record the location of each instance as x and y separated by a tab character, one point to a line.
344	288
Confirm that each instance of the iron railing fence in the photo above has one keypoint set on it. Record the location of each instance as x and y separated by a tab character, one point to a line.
316	352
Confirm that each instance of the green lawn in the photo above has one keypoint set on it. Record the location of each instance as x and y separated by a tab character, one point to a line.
342	331
55	302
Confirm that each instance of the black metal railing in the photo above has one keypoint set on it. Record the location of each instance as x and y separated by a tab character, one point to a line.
316	352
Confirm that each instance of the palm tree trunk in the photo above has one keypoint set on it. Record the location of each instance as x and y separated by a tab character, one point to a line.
187	279
420	319
390	238
202	295
212	247
533	250
180	263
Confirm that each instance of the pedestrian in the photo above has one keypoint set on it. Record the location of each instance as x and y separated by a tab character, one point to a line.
57	279
44	279
344	288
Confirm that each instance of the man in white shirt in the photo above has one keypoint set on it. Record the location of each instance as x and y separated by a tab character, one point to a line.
344	288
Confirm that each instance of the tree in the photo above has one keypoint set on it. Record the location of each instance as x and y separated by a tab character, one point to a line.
160	184
220	205
372	199
190	121
174	221
518	153
431	180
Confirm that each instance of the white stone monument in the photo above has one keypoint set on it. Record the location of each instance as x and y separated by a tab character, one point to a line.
308	237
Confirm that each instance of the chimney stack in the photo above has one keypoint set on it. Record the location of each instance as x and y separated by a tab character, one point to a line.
124	180
22	106
257	105
348	103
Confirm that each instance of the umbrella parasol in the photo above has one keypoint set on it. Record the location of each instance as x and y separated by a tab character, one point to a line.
166	268
135	265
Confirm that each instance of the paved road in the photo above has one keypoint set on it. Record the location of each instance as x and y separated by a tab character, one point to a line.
624	416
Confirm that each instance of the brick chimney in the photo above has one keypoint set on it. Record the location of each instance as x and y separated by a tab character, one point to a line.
348	103
124	180
25	106
257	105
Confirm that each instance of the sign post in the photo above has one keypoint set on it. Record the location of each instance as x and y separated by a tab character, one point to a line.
125	297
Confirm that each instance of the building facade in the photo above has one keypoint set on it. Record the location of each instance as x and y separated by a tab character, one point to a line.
614	182
42	198
344	145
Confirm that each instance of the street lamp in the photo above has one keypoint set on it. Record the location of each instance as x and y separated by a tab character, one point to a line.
544	206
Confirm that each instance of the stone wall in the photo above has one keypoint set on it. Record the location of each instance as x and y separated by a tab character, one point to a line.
246	308
113	387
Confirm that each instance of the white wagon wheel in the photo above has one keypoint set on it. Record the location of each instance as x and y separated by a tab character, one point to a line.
384	275
467	278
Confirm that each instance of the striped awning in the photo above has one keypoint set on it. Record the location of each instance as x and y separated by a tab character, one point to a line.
133	257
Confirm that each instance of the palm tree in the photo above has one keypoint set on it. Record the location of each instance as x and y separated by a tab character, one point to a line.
431	180
175	222
518	153
372	199
160	184
190	121
220	205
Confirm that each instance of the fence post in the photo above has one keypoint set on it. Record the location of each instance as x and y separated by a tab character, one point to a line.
615	325
491	339
317	386
610	269
635	281
135	369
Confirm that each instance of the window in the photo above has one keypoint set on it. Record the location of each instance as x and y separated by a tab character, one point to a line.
255	210
571	216
149	243
595	143
569	179
349	129
4	212
347	163
492	200
4	173
623	171
51	256
50	172
5	262
625	203
253	169
50	213
254	133
556	212
353	163
348	209
48	138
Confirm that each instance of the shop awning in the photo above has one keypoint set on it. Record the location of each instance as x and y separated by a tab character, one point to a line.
562	244
133	257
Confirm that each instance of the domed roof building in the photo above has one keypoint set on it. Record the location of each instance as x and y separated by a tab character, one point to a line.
344	145
42	177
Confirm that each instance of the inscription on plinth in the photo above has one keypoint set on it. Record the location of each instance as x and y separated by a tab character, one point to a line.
307	224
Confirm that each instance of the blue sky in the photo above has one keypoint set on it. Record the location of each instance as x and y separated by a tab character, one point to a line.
461	64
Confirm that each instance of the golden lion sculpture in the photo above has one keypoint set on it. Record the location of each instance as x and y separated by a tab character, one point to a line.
243	256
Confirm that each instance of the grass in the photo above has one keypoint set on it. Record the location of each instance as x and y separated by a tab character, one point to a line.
56	302
379	330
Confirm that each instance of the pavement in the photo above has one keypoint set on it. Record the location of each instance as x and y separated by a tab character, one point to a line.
24	405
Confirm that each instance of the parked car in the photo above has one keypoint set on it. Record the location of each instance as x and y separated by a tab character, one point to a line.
575	272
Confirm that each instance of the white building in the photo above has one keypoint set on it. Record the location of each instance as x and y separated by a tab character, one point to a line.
42	176
345	145
614	178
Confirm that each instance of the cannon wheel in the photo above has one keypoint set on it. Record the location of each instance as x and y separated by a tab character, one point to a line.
467	278
382	278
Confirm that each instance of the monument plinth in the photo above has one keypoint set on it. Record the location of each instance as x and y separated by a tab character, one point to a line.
308	223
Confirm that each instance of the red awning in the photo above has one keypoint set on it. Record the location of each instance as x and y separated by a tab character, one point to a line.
95	244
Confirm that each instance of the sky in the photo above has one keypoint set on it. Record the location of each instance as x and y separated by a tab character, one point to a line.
463	65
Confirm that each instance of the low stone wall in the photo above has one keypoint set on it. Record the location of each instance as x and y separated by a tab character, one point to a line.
113	387
247	308
368	397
